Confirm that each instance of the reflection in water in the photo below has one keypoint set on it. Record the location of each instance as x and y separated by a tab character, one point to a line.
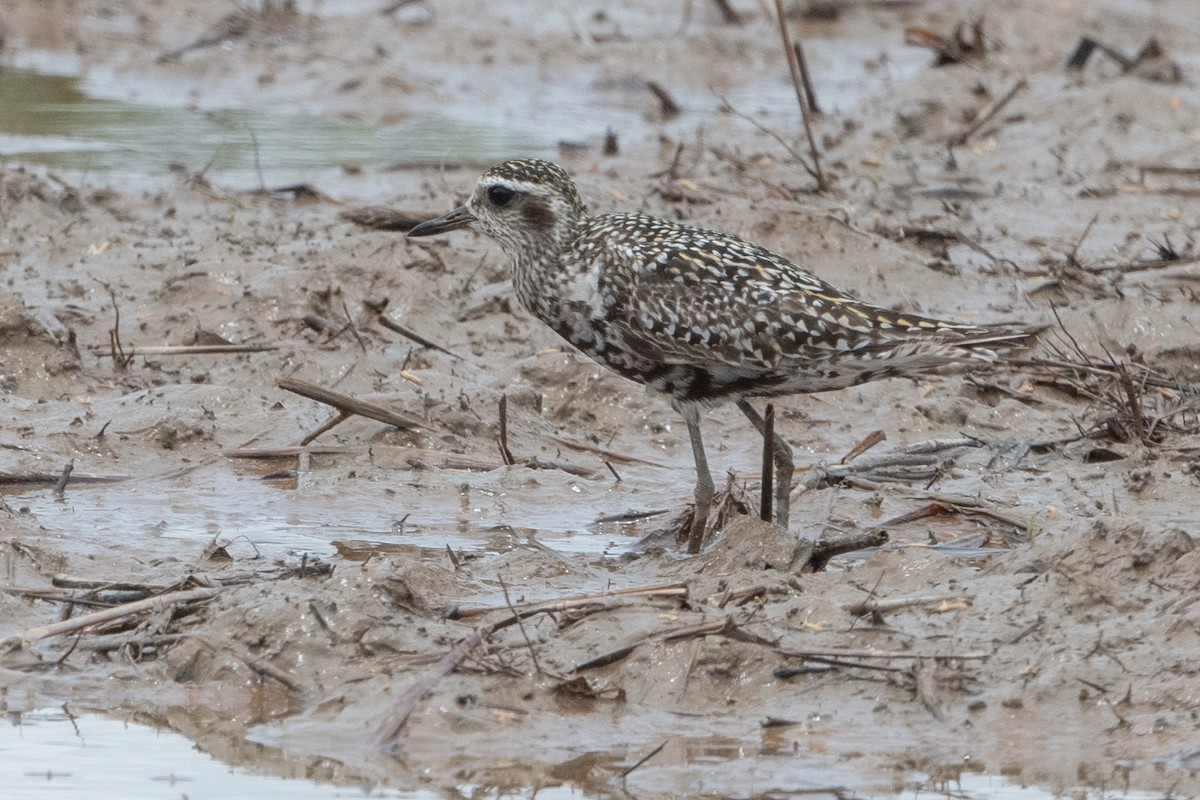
56	753
50	753
261	521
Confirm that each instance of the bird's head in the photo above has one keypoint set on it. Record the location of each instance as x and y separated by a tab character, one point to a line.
527	206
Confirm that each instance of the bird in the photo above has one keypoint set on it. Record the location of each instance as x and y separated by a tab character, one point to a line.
701	316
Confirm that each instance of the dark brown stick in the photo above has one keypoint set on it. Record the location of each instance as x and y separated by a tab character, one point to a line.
768	464
824	550
809	93
870	440
505	453
666	103
604	660
19	478
349	405
60	485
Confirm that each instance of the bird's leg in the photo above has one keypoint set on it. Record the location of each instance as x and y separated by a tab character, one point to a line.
784	465
704	481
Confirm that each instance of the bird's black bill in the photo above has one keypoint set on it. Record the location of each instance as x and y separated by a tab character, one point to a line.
458	218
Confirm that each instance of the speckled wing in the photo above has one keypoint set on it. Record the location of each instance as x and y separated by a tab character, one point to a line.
708	300
704	299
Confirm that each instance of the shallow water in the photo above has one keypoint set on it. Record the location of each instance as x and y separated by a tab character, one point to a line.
54	120
421	513
50	114
68	754
57	753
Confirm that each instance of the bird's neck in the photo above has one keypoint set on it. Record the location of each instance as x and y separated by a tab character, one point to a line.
538	270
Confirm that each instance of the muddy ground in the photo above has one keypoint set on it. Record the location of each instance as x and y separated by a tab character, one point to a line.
1045	624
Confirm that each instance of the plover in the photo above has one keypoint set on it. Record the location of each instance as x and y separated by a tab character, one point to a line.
701	316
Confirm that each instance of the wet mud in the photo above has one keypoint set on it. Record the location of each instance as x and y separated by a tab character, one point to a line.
397	607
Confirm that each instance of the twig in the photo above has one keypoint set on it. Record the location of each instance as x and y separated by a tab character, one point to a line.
284	452
1141	266
1099	368
607	455
520	625
645	758
353	328
721	627
274	573
987	113
51	478
798	84
505	453
667	104
259	665
1087	45
679	590
607	658
870	440
396	327
863	608
632	516
349	405
1133	398
60	485
120	359
791	151
424	458
810	94
826	549
107	615
818	652
768	464
188	349
262	184
1073	256
951	504
388	733
1032	628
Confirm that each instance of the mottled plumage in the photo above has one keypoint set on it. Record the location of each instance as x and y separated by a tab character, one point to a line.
699	315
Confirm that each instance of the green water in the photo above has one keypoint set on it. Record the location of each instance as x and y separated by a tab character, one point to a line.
49	119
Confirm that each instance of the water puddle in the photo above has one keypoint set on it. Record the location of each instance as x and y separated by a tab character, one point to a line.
91	123
53	120
416	513
53	753
57	752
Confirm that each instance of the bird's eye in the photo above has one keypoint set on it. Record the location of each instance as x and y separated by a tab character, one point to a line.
500	195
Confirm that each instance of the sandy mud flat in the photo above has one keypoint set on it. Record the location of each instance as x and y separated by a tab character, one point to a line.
345	610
